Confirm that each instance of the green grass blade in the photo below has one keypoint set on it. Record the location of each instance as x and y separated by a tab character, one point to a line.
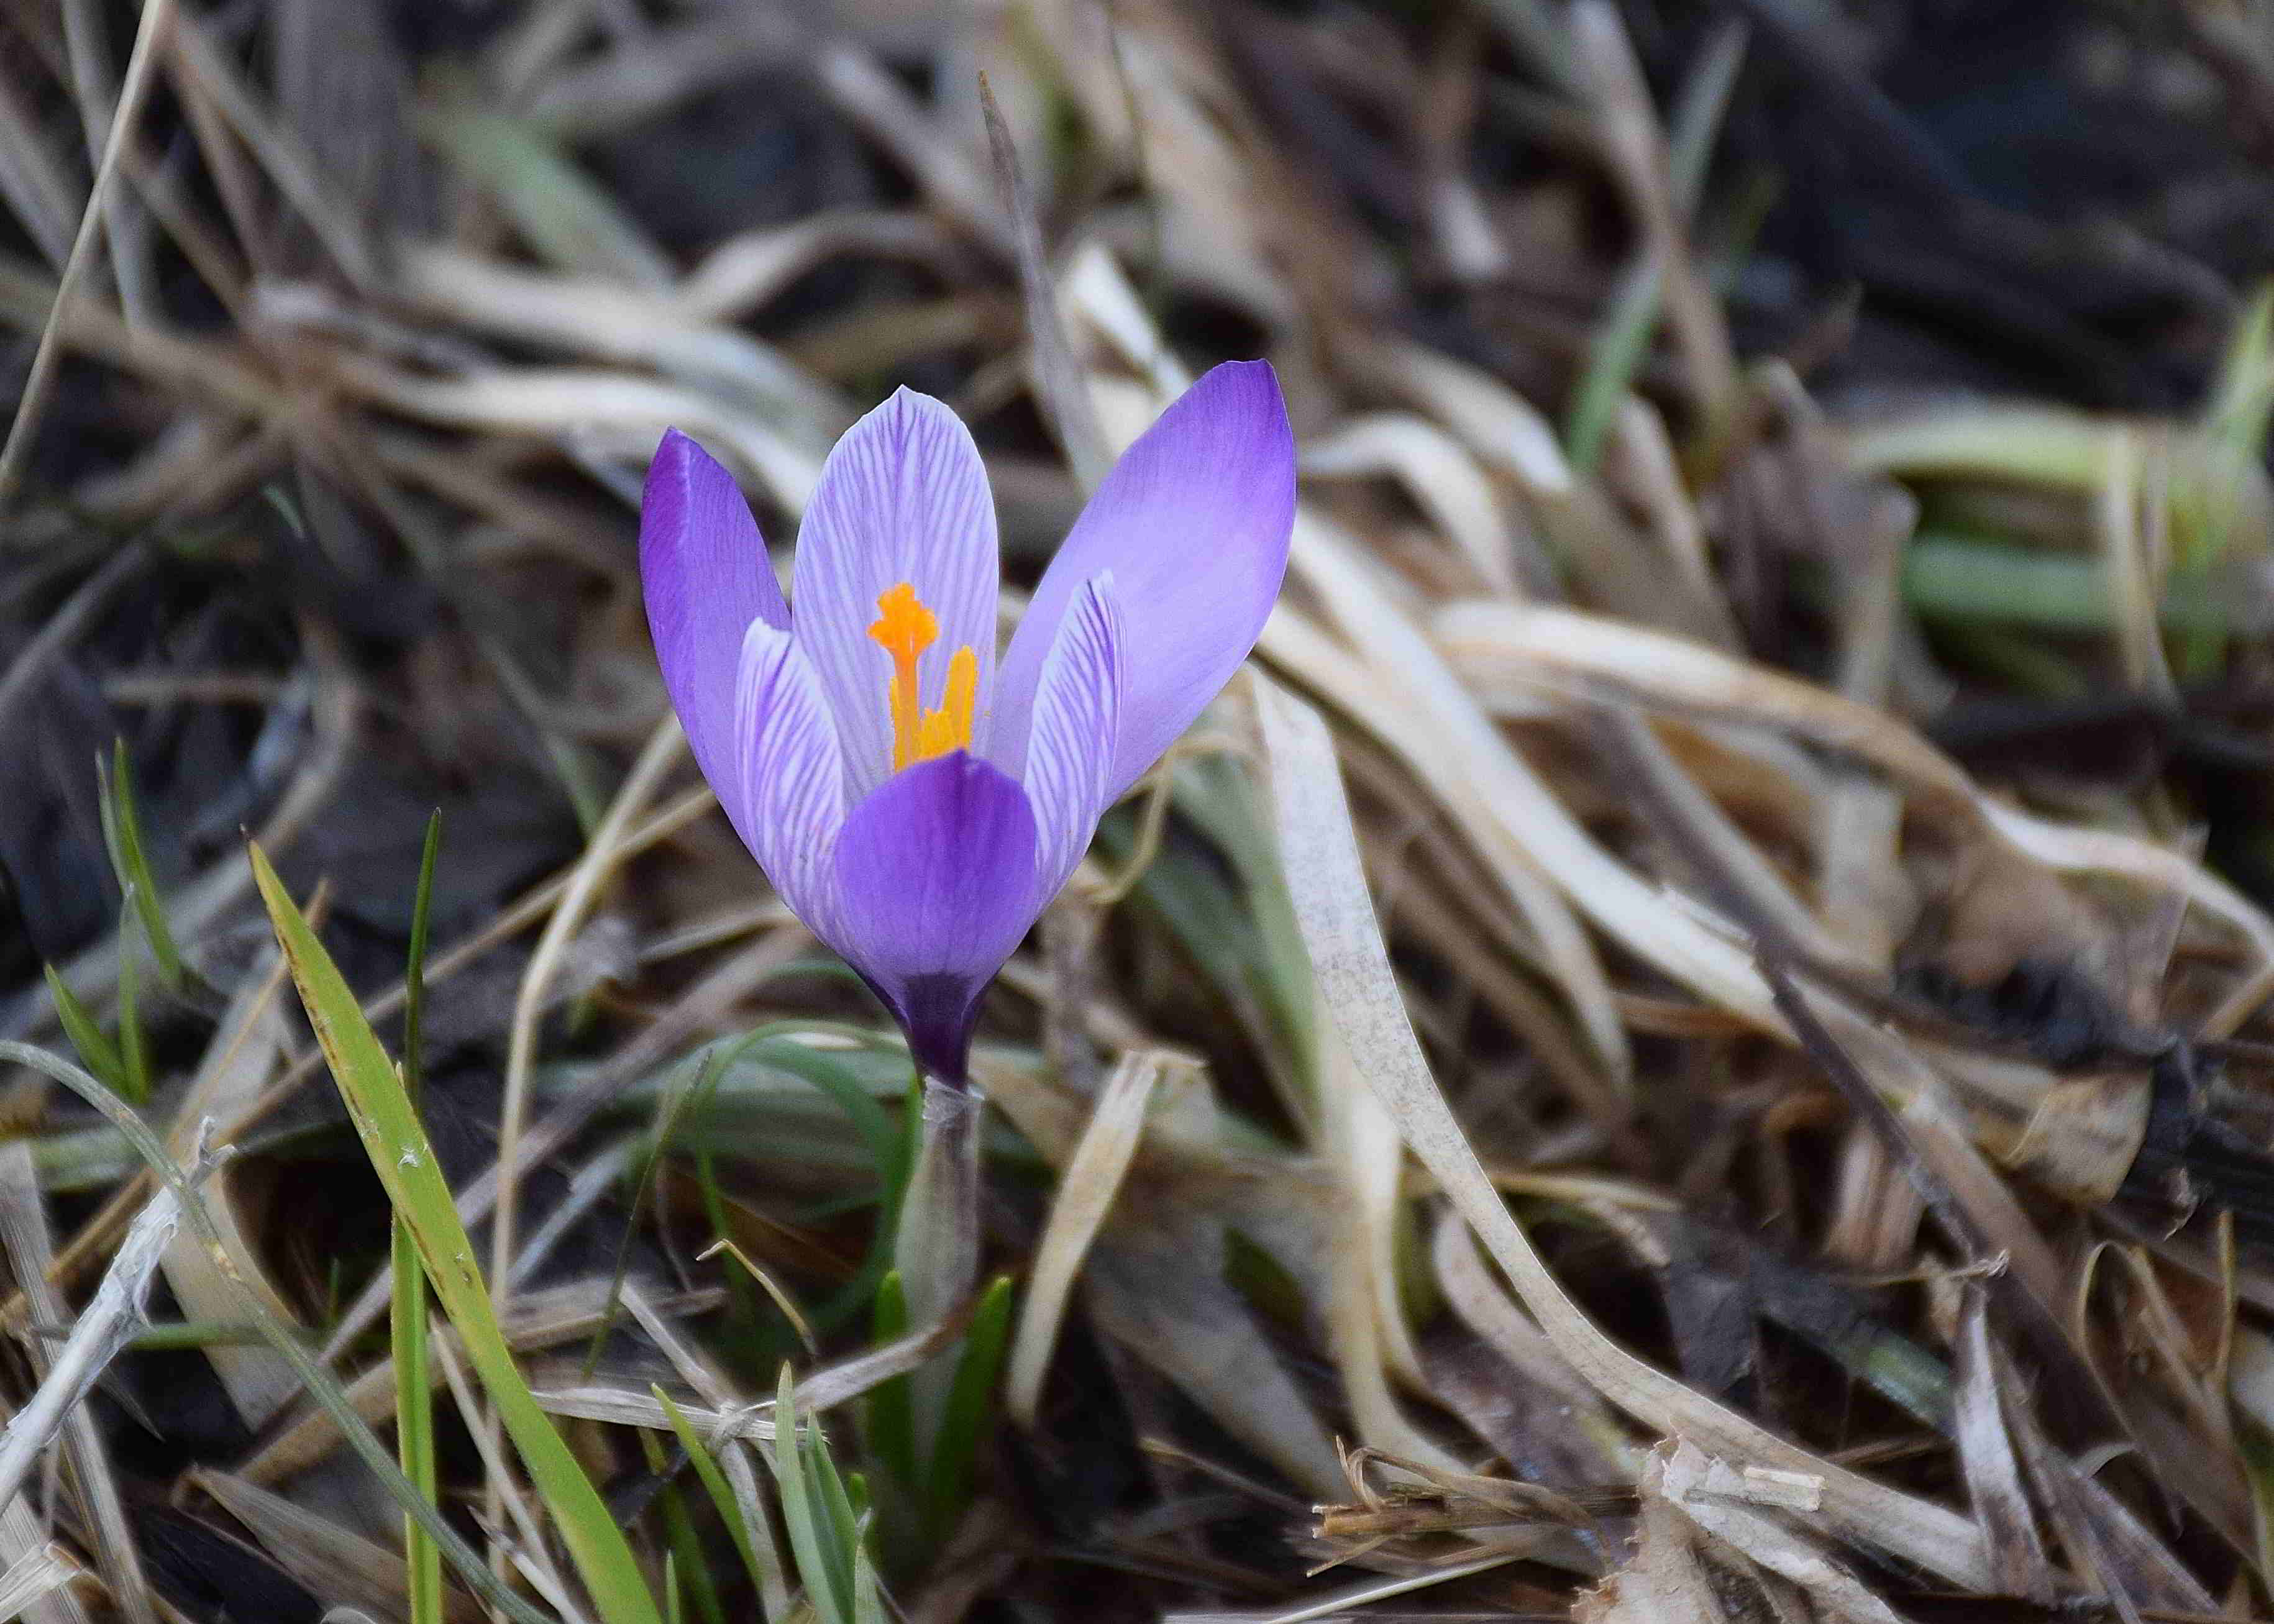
1622	342
1957	578
868	1593
714	1483
133	1058
891	1149
414	1422
2242	396
689	1574
130	860
890	1412
414	972
1615	355
970	1406
414	1392
801	1511
405	1164
570	219
96	1051
842	1527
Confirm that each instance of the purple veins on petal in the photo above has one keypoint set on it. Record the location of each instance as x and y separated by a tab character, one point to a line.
786	796
1071	747
934	890
705	575
1193	524
903	497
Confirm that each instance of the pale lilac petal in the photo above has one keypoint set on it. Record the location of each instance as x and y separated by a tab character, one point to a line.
935	888
903	497
1193	524
1077	720
705	573
786	798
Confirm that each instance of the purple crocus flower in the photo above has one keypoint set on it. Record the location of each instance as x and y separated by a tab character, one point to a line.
915	802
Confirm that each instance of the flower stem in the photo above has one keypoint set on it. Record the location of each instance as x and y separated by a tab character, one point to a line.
937	1249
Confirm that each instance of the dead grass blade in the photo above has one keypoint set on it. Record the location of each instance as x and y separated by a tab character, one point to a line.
24	1233
1361	996
1492	644
157	16
332	1561
209	78
539	1319
1351	1597
833	1386
1088	1184
1994	1472
602	854
1058	372
237	1067
103	1328
1732	1508
32	179
36	1582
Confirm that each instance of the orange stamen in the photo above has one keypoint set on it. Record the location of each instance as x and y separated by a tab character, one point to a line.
949	728
904	629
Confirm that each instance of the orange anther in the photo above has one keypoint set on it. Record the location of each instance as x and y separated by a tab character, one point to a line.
904	629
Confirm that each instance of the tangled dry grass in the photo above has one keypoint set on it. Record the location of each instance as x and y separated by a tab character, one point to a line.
1758	784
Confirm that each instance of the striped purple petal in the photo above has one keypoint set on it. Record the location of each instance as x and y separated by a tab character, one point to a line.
935	888
903	497
1193	524
786	798
705	573
1076	719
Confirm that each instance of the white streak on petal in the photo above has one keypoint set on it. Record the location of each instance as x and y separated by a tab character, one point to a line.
792	774
1077	720
903	497
1193	521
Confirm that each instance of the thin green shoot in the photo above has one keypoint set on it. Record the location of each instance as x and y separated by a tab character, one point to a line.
133	1055
130	861
714	1484
824	1535
2242	401
96	1050
414	974
407	1323
889	1417
687	1572
970	1408
1949	577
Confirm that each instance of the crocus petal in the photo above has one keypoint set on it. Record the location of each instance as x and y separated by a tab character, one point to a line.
1193	524
786	798
934	887
902	498
705	573
1077	720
